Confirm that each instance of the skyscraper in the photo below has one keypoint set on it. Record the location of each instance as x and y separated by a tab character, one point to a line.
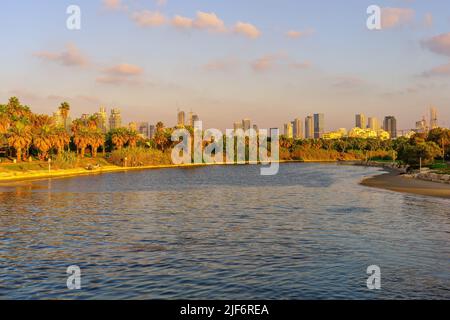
181	118
237	126
298	128
373	124
190	121
57	117
143	129
309	127
133	126
319	125
102	119
360	121
288	130
272	131
195	118
151	131
421	126
433	118
115	119
246	124
390	125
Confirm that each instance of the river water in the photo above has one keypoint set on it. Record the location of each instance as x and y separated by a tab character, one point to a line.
222	232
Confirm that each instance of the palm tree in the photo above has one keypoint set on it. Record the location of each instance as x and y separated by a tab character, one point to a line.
97	139
81	139
133	138
40	120
160	136
4	122
119	137
77	125
93	122
60	139
43	141
64	109
19	137
17	111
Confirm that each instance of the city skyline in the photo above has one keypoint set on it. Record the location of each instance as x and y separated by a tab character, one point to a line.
314	126
230	62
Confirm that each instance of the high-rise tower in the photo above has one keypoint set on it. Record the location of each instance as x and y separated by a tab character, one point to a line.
309	127
360	121
390	125
433	118
319	125
115	119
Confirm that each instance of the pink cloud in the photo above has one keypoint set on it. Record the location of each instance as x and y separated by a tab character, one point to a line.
443	70
121	74
124	69
209	21
247	30
182	22
70	57
293	34
113	5
393	17
148	18
439	44
264	63
278	60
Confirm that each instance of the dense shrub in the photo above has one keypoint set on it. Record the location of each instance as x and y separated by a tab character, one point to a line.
65	160
137	157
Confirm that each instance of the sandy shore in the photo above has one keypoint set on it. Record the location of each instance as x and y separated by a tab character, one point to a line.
396	182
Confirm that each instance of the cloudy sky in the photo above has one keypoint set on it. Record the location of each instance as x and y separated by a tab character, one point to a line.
268	60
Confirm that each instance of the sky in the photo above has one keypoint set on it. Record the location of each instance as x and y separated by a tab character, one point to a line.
267	60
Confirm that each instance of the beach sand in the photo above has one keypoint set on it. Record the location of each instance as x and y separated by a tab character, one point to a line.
396	182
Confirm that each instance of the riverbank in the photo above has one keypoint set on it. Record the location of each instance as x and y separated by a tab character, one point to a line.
395	181
6	177
17	176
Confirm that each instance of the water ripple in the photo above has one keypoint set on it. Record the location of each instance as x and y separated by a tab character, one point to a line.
224	233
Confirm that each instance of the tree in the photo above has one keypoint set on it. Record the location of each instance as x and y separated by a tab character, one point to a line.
77	125
43	140
119	137
441	137
19	138
93	122
96	139
423	152
81	139
64	110
60	139
160	136
133	138
16	111
4	120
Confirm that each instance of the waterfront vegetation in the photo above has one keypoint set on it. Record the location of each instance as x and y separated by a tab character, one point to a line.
30	141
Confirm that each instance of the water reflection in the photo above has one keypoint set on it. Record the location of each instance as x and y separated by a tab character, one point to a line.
222	232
